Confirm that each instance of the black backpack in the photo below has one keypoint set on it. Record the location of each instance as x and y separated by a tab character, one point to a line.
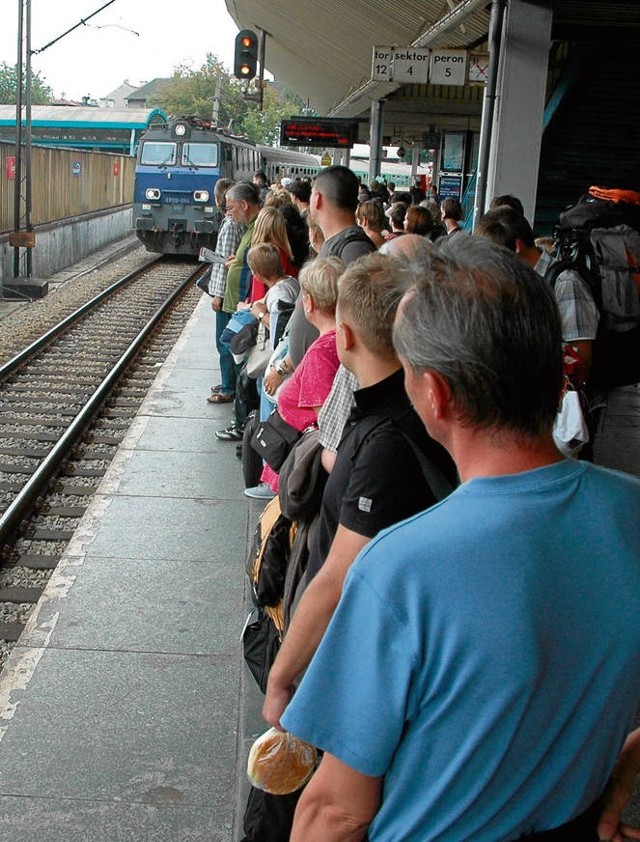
599	237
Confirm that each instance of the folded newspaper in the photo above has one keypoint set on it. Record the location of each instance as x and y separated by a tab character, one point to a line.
208	256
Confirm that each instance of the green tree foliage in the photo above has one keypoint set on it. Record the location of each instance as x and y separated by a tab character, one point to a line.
193	92
41	93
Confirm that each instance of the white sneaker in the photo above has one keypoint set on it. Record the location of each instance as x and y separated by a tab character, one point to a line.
260	492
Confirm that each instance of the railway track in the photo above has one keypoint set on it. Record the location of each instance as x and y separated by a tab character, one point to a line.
66	403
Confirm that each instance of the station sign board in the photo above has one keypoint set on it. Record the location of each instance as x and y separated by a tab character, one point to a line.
479	68
381	64
400	64
318	131
419	65
450	187
448	67
411	65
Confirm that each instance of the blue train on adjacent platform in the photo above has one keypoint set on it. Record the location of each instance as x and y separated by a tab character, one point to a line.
177	168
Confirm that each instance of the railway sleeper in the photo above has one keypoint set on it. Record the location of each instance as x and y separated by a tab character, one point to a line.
38	562
27	421
10	632
32	452
16	594
64	487
29	435
36	534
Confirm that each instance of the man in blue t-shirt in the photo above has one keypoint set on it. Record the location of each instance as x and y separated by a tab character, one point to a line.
482	669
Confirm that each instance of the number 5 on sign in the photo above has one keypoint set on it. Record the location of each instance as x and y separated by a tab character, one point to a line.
448	67
381	64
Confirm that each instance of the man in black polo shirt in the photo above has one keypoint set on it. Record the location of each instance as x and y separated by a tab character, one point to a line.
379	475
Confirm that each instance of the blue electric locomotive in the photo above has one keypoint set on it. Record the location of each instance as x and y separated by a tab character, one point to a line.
178	165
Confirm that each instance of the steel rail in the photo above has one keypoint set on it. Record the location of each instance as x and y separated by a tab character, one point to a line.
23	356
46	470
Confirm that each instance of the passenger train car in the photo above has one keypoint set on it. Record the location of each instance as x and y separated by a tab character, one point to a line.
177	167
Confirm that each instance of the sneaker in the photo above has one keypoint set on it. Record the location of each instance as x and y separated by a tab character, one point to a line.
230	433
260	492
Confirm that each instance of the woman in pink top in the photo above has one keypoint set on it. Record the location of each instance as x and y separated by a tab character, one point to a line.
300	396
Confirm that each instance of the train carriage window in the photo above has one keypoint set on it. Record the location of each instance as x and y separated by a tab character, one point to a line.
200	154
156	153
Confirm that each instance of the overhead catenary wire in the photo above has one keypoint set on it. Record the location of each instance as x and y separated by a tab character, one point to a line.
82	22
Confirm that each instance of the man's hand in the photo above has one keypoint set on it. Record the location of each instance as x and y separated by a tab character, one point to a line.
216	303
619	790
276	699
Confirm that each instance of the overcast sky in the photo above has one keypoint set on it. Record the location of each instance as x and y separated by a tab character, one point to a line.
97	57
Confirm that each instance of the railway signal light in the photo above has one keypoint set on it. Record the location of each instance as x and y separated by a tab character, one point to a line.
245	62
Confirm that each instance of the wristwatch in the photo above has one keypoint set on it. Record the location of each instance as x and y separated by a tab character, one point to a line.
282	368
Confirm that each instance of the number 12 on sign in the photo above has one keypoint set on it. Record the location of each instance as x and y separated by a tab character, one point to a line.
381	64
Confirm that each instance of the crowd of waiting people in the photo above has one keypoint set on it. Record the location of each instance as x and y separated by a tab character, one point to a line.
464	650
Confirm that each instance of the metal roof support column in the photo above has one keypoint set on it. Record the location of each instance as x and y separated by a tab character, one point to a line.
375	139
522	76
17	184
415	161
488	107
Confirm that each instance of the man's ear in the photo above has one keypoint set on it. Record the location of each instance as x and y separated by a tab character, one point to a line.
348	336
437	393
519	246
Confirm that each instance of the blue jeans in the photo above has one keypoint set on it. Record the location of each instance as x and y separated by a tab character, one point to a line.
227	368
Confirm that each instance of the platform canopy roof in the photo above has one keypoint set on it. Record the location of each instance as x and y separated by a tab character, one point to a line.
60	116
321	49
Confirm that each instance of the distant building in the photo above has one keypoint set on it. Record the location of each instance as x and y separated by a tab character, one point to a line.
118	97
139	97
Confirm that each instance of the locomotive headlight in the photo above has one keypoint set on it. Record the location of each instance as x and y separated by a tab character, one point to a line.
201	196
181	129
152	193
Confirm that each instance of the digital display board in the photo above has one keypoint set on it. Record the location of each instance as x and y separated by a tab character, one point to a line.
318	131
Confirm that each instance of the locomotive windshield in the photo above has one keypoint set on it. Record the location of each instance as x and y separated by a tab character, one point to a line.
158	153
200	154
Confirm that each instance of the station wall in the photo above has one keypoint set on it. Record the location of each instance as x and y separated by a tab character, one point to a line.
66	183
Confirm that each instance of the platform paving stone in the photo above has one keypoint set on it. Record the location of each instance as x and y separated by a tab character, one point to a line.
125	727
68	820
188	403
164	606
183	474
187	530
197	436
190	378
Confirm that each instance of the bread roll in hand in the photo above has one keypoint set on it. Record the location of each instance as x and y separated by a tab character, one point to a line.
280	763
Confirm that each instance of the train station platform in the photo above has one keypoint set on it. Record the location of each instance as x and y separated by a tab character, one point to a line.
126	712
122	709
